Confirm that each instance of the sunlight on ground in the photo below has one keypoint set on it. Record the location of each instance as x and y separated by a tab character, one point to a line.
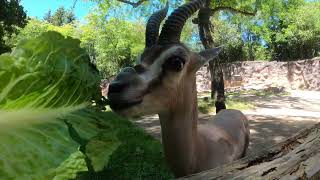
252	131
234	100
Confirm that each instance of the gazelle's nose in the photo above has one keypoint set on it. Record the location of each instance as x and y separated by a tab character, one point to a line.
117	87
128	76
128	70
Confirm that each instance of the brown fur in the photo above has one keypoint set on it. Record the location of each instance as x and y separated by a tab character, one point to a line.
188	148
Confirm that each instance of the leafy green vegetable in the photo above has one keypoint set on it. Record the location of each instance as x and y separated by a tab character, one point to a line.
70	167
132	154
49	131
101	147
45	150
43	80
47	71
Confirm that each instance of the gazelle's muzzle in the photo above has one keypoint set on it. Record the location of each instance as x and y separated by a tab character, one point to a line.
124	91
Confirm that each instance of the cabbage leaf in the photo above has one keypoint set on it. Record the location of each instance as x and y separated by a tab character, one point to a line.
48	128
47	71
44	80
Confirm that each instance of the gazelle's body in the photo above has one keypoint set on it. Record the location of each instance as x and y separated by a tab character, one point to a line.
191	148
228	131
164	83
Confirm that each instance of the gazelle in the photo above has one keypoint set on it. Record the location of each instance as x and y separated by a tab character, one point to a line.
164	82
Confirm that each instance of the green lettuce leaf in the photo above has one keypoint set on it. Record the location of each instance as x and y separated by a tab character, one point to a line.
44	81
47	71
48	129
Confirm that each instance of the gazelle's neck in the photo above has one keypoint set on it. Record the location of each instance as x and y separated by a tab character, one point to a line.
179	129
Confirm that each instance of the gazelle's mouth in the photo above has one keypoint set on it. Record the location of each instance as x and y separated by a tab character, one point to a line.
118	106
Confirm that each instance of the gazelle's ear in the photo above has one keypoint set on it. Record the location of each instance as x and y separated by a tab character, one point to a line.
206	56
209	54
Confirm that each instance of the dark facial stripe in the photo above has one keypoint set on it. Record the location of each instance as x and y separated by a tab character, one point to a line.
151	54
155	83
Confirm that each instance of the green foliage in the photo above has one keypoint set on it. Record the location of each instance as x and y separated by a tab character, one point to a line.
118	40
124	10
281	30
227	34
48	16
114	32
118	45
35	27
12	15
109	43
60	17
299	40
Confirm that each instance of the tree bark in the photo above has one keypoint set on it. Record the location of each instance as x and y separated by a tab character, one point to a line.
220	100
298	157
217	81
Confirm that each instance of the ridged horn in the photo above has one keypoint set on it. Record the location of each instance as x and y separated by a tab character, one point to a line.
172	28
153	25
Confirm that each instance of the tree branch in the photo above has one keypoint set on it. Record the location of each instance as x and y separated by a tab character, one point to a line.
206	12
133	4
74	4
233	10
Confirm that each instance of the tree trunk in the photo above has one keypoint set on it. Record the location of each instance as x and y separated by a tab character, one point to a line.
217	81
220	100
298	157
213	80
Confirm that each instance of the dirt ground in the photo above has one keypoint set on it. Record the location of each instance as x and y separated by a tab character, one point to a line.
273	120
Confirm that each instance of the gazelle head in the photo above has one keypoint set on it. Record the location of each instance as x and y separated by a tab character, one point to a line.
165	69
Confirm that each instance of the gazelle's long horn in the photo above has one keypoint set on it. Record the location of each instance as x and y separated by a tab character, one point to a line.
172	28
153	25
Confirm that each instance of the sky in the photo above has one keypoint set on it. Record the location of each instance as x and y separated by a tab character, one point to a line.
37	8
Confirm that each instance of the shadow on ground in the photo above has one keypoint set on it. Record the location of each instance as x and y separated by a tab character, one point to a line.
265	130
273	120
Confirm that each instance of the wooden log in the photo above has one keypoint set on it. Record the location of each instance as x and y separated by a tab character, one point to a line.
298	157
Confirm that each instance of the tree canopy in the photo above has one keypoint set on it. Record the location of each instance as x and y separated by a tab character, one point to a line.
114	30
60	17
12	15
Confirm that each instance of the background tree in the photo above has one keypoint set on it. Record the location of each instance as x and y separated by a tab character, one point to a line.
281	30
117	47
205	30
115	38
295	29
69	17
48	16
12	15
61	17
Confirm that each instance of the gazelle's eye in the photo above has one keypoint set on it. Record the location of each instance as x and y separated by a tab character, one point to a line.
139	68
174	64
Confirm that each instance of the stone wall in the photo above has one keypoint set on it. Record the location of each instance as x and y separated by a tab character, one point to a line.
304	74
